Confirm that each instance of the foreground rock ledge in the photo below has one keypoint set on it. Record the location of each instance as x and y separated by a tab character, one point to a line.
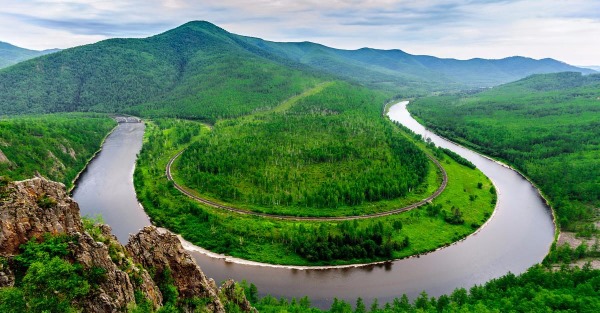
31	208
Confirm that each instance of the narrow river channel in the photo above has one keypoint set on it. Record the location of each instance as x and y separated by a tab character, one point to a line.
518	235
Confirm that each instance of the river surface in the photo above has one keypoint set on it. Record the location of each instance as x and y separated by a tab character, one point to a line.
517	236
106	186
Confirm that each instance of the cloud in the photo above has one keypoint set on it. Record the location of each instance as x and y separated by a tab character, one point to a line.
565	30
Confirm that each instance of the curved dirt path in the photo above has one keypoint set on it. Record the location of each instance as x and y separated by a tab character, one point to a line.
308	218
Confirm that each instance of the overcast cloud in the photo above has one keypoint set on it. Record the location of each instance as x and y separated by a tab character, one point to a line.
564	30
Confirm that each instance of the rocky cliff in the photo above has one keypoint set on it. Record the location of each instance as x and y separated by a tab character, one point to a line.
152	269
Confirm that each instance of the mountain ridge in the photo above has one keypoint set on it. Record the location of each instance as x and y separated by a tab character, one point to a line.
201	71
11	54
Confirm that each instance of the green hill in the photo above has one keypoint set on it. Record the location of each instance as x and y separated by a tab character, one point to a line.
201	71
197	71
10	54
57	146
548	126
399	71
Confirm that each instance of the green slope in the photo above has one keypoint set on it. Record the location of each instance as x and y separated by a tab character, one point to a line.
548	126
10	54
197	71
330	152
201	71
412	74
57	146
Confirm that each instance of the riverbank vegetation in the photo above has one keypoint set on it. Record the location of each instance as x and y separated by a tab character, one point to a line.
58	146
537	290
302	242
546	126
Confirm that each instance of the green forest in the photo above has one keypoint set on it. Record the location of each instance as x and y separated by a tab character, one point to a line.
297	129
465	204
57	146
546	126
329	150
537	290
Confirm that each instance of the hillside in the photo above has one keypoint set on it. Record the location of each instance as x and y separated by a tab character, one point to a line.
10	54
401	71
196	71
201	71
545	125
57	146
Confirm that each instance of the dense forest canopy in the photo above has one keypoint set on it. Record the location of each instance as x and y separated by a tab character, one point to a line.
201	71
327	150
56	146
547	126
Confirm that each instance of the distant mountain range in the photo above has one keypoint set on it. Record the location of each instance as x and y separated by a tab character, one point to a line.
10	54
593	67
396	67
199	70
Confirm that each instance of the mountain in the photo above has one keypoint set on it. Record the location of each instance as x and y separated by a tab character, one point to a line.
201	71
390	68
10	54
592	67
487	73
196	70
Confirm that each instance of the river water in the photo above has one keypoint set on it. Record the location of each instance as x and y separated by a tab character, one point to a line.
106	185
517	236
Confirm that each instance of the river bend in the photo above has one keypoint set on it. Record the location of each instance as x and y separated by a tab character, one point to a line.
517	236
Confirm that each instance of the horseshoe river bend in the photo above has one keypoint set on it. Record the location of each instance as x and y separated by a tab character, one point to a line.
517	236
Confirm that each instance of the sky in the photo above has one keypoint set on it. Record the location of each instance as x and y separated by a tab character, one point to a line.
567	30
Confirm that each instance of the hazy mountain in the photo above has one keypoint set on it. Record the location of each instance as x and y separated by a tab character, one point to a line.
592	67
10	54
396	67
199	70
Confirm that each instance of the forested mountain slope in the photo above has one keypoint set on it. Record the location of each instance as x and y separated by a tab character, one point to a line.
548	126
201	71
400	71
10	54
197	70
56	146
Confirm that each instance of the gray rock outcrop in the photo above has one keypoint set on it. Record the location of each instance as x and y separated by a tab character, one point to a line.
31	208
161	250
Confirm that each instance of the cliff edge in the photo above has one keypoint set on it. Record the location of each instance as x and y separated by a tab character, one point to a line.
40	223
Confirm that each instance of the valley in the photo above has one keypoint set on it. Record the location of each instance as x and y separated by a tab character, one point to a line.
298	169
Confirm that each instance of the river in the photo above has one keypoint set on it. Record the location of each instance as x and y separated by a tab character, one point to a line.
517	236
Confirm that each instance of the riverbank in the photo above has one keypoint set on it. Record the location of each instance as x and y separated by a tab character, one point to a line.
489	253
266	240
74	181
499	162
